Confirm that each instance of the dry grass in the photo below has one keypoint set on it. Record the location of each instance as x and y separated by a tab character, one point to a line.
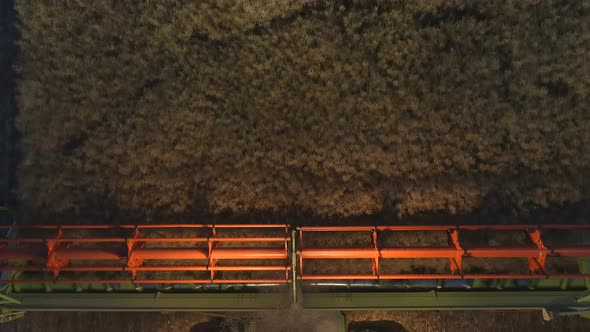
326	107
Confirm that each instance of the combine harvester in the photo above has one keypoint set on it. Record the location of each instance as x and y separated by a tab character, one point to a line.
221	268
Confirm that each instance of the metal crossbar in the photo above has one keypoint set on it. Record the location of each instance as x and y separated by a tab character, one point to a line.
126	254
454	252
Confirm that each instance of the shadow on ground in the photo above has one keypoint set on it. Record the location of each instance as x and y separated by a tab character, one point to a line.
376	326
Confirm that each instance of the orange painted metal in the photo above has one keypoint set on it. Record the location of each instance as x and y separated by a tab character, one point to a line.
22	253
456	261
375	258
442	276
338	253
149	281
249	253
177	268
418	252
67	254
508	252
455	252
136	249
169	253
132	250
579	251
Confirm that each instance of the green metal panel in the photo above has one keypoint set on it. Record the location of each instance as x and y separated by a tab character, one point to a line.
148	302
446	300
552	301
584	264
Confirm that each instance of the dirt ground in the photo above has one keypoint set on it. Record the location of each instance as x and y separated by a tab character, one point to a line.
182	322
